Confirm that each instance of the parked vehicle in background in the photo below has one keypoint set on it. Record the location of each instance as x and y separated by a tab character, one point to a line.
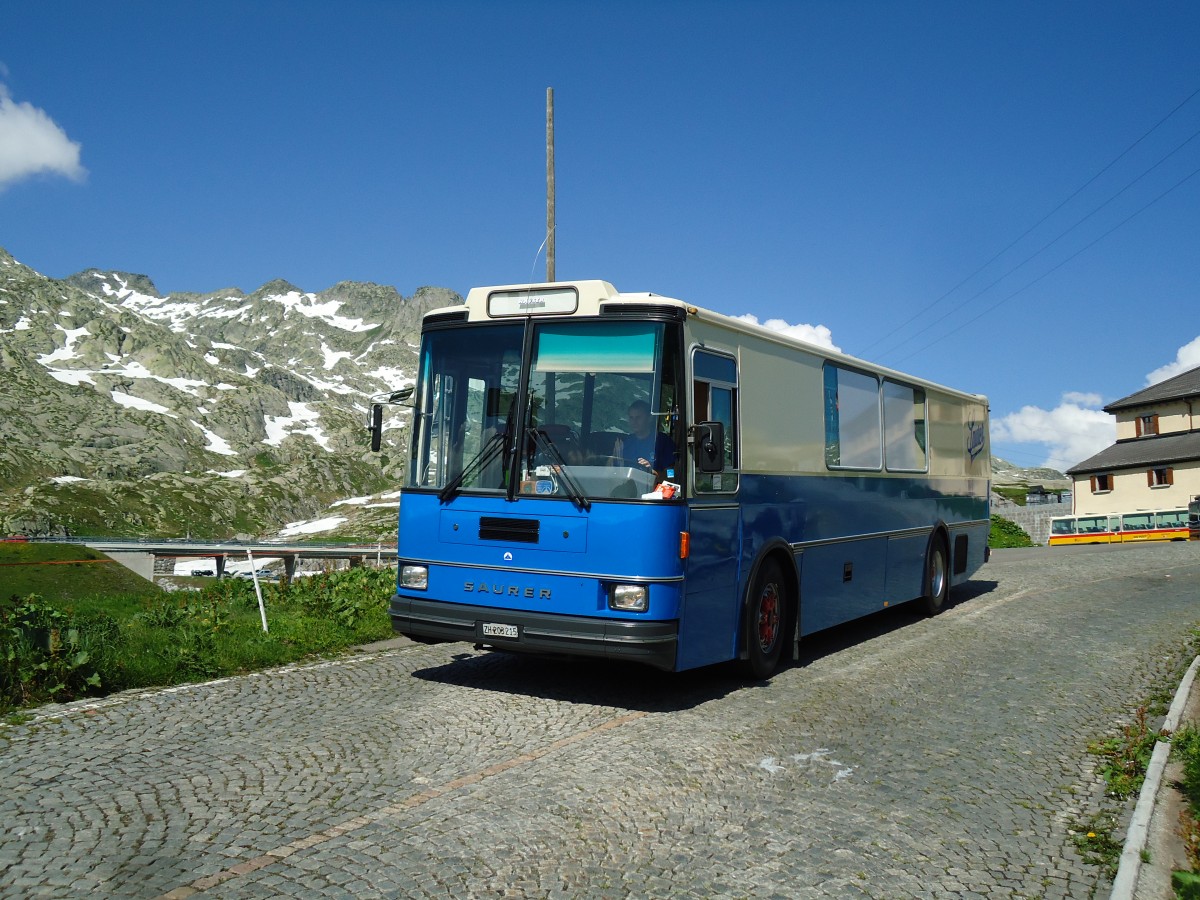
1194	519
1114	528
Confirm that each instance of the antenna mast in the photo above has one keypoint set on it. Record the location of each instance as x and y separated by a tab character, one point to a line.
550	184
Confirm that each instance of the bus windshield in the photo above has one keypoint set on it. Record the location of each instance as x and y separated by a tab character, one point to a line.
591	414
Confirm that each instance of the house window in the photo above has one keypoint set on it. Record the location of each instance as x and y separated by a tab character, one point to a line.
1160	477
1102	484
1147	425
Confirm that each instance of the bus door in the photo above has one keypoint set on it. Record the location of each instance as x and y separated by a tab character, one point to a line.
708	622
1136	527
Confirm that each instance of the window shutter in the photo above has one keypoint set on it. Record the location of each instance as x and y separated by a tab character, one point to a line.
1149	478
1093	484
1154	424
1137	422
1170	476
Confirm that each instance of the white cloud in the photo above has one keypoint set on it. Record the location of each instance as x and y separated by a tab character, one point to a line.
31	142
1188	357
1073	431
811	334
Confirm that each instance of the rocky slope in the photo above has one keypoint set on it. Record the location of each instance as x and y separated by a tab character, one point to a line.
124	411
1004	472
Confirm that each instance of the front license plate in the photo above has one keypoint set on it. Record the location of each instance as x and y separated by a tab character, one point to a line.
495	629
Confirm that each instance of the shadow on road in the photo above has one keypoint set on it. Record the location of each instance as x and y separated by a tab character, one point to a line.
622	685
631	686
841	637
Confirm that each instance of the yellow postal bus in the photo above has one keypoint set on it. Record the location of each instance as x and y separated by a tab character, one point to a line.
1114	528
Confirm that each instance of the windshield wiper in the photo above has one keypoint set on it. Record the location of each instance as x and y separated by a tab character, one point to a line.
476	465
574	491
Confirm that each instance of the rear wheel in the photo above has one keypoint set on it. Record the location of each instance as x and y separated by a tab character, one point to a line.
766	621
937	579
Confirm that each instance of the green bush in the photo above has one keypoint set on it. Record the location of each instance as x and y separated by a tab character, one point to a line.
1005	533
44	654
1186	885
69	649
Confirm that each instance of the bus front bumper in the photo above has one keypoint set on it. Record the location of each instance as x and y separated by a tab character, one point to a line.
652	643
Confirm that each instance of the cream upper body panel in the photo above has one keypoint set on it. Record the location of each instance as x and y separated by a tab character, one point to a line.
780	396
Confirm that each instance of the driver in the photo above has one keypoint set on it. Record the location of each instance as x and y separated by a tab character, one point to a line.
646	447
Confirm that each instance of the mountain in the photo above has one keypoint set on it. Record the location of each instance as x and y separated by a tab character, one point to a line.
1004	472
126	411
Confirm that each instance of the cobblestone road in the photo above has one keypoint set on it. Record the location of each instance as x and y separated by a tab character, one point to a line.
904	758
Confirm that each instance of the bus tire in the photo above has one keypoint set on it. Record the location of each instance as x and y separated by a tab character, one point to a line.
766	618
937	578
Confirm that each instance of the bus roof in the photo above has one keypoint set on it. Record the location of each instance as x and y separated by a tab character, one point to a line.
584	298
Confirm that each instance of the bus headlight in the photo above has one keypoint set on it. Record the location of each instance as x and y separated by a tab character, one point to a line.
629	597
415	578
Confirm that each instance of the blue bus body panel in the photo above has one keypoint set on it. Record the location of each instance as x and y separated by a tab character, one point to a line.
709	624
859	544
576	555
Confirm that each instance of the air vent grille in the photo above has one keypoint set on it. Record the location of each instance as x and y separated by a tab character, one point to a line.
524	531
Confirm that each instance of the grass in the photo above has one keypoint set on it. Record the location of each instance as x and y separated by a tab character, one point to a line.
1124	756
68	647
1014	492
65	572
1124	759
1185	747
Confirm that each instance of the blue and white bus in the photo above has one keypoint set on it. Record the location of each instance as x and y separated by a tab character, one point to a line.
629	477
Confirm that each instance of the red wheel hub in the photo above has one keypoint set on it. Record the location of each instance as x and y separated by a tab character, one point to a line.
768	618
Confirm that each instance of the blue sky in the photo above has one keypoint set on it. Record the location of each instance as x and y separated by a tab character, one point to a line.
993	196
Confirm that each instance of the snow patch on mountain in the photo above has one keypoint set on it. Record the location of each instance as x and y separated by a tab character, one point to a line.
67	350
307	305
302	421
314	527
132	402
216	444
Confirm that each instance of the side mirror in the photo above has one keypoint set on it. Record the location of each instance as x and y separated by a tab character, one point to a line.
709	440
376	426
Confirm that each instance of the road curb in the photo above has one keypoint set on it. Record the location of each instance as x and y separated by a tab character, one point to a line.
1139	826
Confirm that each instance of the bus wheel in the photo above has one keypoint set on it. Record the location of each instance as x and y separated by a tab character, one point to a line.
937	579
766	621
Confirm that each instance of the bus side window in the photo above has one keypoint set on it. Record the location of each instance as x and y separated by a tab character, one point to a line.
714	399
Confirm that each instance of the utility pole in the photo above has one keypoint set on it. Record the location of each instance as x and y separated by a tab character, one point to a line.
550	184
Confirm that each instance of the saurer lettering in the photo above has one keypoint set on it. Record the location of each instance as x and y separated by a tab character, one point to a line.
510	590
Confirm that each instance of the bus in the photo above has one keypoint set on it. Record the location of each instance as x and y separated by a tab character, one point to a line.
1120	528
630	477
1194	519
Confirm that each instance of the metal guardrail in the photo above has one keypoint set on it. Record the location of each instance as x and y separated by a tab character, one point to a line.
232	544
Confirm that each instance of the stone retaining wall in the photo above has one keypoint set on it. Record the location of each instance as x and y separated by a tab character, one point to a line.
1033	520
